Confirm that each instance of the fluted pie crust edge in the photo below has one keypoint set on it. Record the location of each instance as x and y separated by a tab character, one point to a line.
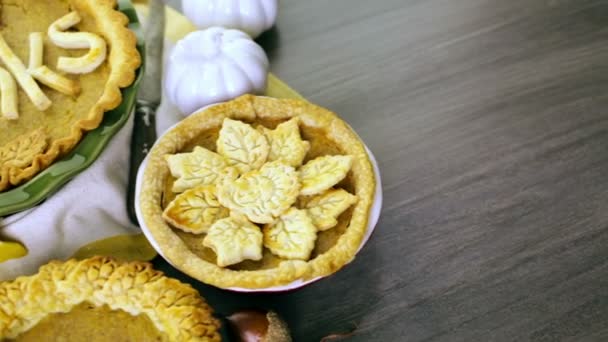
174	308
248	108
123	59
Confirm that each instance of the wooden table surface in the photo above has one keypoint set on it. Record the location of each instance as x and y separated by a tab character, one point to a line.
489	119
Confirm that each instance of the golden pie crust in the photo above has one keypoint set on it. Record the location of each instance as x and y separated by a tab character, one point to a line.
36	139
126	289
327	135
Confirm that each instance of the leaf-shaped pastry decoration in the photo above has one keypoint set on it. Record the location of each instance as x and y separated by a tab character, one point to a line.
234	240
292	236
323	172
242	145
325	208
199	167
261	195
21	151
286	144
195	210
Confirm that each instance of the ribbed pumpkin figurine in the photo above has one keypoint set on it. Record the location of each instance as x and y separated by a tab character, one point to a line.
214	65
250	16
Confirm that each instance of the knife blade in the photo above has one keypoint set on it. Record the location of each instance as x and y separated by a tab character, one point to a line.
148	98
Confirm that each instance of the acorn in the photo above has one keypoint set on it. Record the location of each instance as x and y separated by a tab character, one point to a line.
258	326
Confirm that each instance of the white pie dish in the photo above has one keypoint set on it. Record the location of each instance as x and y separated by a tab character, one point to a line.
374	213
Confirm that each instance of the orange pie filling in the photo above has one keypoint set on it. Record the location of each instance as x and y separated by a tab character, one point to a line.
86	322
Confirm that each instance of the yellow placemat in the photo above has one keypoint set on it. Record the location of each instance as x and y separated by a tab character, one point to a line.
11	250
136	247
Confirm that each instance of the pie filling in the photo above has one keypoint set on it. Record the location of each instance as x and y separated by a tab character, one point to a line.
86	322
322	237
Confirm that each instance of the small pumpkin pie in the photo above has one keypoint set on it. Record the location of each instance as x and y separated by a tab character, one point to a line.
258	192
102	299
62	65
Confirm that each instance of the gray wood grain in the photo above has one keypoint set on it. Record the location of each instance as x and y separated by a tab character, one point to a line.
489	121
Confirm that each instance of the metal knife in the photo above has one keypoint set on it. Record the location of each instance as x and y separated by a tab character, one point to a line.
148	98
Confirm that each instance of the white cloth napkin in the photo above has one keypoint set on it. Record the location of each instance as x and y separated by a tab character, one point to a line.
90	207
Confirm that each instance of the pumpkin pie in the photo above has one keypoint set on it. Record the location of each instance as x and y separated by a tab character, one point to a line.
258	192
102	299
62	65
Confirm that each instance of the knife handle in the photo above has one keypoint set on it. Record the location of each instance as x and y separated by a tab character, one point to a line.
142	139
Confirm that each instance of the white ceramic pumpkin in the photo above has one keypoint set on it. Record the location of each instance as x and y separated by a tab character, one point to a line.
214	65
250	16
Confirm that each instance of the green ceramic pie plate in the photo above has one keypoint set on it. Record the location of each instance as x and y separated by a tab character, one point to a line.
90	147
